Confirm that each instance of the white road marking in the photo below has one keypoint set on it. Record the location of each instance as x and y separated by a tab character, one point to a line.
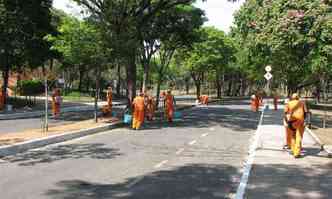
179	151
160	164
248	165
137	180
211	129
192	142
205	134
2	161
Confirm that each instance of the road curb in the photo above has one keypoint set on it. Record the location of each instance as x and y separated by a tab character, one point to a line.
34	114
323	147
37	143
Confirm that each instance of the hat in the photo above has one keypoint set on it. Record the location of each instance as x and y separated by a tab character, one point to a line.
295	96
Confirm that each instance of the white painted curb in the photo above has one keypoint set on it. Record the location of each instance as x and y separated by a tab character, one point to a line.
240	193
37	143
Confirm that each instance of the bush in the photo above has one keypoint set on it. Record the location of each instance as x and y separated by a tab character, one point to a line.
31	87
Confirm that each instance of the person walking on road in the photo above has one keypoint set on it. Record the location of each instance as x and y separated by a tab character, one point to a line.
150	107
295	112
288	131
138	113
169	105
56	102
254	103
109	96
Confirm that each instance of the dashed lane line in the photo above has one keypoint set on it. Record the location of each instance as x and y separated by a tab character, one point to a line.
192	142
157	166
179	151
205	134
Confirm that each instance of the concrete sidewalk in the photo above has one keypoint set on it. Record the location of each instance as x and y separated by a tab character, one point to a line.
276	174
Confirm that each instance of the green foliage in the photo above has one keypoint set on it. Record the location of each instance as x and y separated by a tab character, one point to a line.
293	36
31	87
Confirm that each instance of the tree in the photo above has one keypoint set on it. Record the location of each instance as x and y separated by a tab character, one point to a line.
23	26
292	30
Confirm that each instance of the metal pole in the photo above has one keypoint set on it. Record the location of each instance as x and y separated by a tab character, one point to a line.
46	106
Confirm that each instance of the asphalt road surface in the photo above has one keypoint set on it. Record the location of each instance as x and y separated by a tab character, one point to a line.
199	157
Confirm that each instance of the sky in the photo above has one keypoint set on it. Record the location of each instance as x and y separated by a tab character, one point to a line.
219	12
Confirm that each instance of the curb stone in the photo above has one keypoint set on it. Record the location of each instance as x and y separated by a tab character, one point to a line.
41	142
326	148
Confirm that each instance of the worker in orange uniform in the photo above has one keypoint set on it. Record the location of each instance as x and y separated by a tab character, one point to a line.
109	96
150	107
295	115
2	100
254	103
275	101
288	131
56	102
204	99
169	105
138	112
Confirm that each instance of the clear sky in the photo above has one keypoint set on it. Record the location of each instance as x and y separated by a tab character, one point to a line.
219	12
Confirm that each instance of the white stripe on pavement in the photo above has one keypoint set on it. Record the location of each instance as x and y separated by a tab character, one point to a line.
179	151
137	180
205	134
192	142
160	164
252	152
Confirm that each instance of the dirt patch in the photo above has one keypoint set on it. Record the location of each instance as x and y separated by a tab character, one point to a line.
12	138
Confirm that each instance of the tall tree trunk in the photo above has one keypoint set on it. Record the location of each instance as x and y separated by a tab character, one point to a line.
97	93
5	75
218	84
145	76
158	89
118	85
187	82
198	89
81	74
131	79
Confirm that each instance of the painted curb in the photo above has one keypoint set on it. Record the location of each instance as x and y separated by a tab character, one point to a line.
35	114
37	143
322	146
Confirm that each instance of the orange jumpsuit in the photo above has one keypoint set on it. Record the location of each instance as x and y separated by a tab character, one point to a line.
254	103
138	114
295	111
2	100
56	101
204	99
109	100
150	108
169	103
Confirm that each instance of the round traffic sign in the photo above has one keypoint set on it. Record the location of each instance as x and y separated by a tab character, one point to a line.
268	68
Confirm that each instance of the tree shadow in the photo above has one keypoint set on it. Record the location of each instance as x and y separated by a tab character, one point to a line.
237	119
194	181
275	181
61	152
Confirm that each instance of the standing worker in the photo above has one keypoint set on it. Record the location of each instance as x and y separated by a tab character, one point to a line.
138	113
2	100
295	114
56	102
169	104
254	103
109	96
204	99
150	107
288	131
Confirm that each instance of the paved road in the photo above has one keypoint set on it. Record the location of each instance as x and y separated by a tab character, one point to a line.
198	157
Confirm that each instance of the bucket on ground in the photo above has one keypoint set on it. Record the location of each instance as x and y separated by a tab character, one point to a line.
127	118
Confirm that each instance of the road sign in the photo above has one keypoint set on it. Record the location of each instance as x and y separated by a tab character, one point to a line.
268	76
268	69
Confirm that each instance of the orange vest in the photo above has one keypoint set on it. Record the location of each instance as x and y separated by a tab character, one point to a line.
297	108
138	103
169	101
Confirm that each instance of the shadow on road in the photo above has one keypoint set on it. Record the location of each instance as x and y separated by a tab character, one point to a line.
186	182
61	152
276	181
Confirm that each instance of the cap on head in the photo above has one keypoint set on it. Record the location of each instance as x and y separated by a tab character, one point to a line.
169	91
295	96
